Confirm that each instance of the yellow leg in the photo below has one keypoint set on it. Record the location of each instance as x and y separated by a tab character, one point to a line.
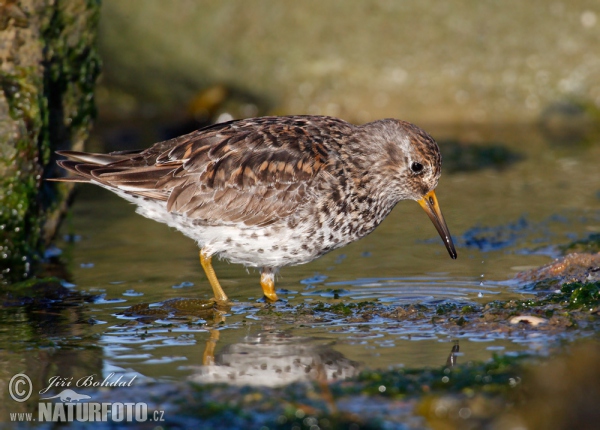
208	358
267	282
205	260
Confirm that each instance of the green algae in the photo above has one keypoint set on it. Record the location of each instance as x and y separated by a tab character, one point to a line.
571	296
50	106
566	308
72	65
582	295
343	308
190	309
494	376
20	174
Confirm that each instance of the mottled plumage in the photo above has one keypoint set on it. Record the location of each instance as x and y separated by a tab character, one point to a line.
274	191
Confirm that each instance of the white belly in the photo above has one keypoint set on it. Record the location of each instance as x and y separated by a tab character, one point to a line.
272	246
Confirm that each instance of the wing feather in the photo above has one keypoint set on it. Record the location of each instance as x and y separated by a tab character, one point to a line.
253	171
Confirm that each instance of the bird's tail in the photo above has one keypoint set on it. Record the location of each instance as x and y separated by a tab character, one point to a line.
80	164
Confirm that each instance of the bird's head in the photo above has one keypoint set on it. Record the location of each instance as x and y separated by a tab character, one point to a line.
413	165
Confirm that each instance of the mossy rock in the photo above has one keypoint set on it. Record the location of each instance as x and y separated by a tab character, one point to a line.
49	68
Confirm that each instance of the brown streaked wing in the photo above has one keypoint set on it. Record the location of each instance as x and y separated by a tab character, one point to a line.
251	172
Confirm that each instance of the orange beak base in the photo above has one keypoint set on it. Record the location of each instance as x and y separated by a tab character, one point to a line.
430	204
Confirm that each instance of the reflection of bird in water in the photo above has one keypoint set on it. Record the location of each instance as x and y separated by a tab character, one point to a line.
274	191
273	358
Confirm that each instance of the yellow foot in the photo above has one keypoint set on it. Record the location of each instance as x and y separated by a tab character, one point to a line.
205	261
267	282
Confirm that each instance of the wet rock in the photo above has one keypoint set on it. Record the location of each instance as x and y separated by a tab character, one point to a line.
571	268
448	63
48	67
590	245
175	309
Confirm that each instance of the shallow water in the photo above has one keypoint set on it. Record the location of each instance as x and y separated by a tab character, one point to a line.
504	220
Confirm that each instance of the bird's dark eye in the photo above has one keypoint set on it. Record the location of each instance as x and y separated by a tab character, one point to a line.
416	167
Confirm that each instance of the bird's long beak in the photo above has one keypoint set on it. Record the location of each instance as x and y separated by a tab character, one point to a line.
430	204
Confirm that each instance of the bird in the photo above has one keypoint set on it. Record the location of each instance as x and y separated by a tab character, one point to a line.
273	191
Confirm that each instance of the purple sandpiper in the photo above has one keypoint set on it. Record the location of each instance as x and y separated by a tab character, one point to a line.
274	191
